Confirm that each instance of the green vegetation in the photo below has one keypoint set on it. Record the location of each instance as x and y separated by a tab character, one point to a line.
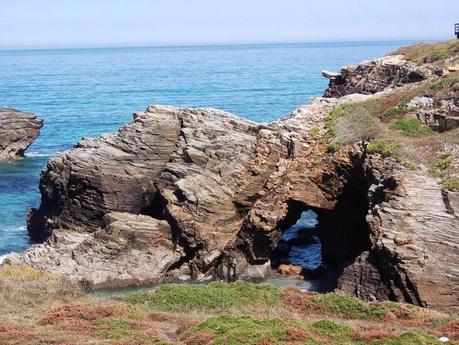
114	328
314	132
451	184
332	118
346	306
400	109
440	170
334	146
218	313
350	122
384	147
443	161
330	327
229	330
216	295
445	82
410	165
411	127
408	338
431	52
240	330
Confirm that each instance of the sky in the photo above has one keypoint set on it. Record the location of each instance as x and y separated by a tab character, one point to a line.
116	23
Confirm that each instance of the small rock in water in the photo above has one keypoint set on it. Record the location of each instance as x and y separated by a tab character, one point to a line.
290	270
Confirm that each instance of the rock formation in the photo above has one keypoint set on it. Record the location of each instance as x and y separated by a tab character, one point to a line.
374	76
18	130
184	193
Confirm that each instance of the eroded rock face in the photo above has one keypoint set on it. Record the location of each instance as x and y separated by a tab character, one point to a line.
208	174
18	130
184	193
375	76
413	230
130	250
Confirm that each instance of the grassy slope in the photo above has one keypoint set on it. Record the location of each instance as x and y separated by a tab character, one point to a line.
41	309
393	130
431	52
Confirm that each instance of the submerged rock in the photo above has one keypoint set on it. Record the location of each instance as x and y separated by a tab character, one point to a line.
18	130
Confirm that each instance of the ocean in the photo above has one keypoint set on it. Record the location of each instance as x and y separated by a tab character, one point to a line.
88	92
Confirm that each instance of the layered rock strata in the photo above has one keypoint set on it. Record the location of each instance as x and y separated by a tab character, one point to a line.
374	76
18	130
200	194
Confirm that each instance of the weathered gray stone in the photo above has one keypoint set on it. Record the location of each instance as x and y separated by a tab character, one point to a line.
18	130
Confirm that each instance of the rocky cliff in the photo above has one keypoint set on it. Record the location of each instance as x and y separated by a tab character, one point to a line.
184	193
18	130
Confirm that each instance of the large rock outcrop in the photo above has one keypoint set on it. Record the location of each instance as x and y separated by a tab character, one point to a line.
18	130
374	76
183	193
414	226
197	193
199	170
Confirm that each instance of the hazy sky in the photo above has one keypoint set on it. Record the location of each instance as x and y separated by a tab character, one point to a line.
99	23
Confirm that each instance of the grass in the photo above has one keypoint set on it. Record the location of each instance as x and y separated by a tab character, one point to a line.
446	82
384	147
334	146
24	289
332	118
239	330
411	127
432	52
353	121
231	330
451	184
439	169
314	132
337	304
400	109
350	122
443	161
218	313
215	296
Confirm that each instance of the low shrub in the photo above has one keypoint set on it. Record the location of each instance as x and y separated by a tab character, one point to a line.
336	304
411	127
227	329
451	184
384	147
443	161
314	132
215	296
334	146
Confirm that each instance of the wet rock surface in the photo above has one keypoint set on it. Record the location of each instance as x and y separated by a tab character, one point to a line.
18	130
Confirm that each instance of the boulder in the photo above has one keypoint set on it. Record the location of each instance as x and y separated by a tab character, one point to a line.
18	130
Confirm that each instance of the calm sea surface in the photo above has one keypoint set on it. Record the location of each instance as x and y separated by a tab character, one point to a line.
87	92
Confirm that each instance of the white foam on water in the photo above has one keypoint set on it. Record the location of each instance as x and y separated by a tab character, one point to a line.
37	154
2	258
16	229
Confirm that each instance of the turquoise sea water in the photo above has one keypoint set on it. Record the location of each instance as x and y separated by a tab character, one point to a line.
87	92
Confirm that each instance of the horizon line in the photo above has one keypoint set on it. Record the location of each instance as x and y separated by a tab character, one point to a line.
222	44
